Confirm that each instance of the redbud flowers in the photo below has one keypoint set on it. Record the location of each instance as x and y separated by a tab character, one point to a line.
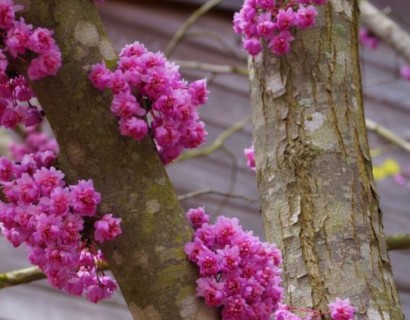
150	96
238	272
58	223
274	22
19	38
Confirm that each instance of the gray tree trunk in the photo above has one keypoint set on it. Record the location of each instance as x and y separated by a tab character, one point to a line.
314	170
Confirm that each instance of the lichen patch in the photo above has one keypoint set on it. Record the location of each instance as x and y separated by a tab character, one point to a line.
106	50
87	34
315	121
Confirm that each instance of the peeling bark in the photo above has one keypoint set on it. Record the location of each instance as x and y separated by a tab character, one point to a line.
314	170
148	260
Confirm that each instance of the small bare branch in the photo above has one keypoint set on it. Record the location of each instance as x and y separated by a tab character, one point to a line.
180	34
217	144
202	192
387	134
398	241
214	68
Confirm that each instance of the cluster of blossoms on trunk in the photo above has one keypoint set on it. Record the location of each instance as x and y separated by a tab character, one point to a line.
238	272
241	275
57	222
273	21
20	40
150	96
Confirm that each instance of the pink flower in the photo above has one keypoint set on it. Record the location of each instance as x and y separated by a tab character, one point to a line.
17	38
306	17
211	291
107	228
208	263
6	169
7	14
341	310
102	289
85	198
280	44
250	156
197	217
405	72
133	127
48	179
100	76
47	64
285	19
253	46
125	105
41	41
198	92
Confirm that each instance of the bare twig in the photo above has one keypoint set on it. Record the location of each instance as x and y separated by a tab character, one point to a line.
214	68
398	241
386	29
16	277
217	144
387	134
30	274
231	50
202	192
180	34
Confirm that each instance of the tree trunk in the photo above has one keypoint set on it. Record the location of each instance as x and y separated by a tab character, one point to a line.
148	259
314	170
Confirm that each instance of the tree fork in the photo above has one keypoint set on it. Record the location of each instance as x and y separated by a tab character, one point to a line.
314	169
148	259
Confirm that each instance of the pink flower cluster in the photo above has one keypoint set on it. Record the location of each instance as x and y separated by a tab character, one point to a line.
19	38
274	22
34	141
239	273
57	222
150	96
341	310
250	157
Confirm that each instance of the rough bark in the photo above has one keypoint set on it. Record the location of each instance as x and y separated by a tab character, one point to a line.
148	259
314	170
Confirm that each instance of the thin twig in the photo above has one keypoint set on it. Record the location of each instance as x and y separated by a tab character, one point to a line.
218	37
202	192
30	274
387	134
214	68
216	144
180	34
16	277
386	29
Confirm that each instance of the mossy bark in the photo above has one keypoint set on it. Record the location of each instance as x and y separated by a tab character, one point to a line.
147	260
314	170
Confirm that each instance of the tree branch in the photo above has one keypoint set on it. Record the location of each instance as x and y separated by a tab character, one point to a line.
180	34
147	260
386	29
209	67
216	144
398	241
387	134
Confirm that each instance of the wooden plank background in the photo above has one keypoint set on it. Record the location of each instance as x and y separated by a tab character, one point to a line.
154	22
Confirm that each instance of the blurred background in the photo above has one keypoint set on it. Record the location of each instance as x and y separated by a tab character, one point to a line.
221	181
